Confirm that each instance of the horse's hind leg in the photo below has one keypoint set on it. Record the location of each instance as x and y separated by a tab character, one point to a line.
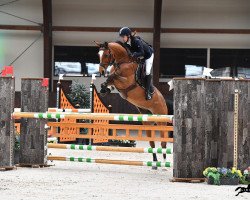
152	145
163	135
163	144
148	133
162	110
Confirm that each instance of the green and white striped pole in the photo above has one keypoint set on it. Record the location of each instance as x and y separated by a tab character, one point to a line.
96	116
114	162
113	149
69	110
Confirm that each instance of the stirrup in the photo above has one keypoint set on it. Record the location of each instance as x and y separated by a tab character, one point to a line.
148	96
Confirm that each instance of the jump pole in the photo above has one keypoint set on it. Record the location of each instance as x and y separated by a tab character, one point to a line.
112	149
107	161
96	116
67	110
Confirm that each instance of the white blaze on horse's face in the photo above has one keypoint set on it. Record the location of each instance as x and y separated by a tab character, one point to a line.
100	54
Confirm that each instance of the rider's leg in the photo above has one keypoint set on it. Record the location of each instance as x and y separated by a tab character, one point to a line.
149	63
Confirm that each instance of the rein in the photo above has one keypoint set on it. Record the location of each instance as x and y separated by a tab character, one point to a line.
115	64
117	67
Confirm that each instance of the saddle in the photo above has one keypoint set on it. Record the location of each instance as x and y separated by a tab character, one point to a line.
140	77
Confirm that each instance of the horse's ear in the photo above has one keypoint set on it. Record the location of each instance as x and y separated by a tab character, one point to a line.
97	43
106	45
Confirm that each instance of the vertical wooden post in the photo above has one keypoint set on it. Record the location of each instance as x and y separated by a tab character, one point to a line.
157	41
33	140
189	130
244	124
208	57
7	134
47	39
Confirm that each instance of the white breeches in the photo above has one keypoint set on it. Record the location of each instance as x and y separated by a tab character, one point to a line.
149	64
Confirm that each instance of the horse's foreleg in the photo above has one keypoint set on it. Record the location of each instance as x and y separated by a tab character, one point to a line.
110	79
108	82
106	87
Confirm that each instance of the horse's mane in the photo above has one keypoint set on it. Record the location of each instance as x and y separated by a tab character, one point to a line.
120	51
124	46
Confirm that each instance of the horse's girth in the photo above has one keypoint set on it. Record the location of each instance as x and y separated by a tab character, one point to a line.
128	89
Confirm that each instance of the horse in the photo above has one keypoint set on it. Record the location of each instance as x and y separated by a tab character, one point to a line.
122	77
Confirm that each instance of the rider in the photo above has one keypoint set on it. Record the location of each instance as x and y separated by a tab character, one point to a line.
140	50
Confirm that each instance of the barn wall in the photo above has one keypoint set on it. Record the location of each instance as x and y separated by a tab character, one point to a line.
228	14
13	43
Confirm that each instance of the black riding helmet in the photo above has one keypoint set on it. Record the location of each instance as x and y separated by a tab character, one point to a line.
125	31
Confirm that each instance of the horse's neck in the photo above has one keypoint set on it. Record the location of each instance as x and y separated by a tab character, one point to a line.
122	60
121	57
119	52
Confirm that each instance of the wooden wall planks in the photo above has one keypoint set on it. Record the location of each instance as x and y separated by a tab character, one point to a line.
33	138
208	107
7	137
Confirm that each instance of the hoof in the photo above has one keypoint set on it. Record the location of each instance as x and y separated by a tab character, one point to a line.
103	90
103	94
154	168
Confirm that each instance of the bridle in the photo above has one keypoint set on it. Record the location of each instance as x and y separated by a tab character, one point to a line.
109	56
111	62
116	65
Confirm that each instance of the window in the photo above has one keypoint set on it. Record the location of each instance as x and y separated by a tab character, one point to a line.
193	70
76	60
67	68
243	72
176	62
221	72
230	62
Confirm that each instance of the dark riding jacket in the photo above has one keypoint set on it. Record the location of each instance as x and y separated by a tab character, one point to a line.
139	48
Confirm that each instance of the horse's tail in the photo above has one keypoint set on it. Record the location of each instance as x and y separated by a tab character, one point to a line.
169	103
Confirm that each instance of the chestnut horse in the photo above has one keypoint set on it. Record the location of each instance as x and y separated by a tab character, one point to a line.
122	77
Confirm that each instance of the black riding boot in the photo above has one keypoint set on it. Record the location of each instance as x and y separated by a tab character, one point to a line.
147	89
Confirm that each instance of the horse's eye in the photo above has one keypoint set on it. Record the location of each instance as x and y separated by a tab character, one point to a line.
106	55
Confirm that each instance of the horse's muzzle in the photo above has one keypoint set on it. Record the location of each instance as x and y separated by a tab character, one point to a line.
101	69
